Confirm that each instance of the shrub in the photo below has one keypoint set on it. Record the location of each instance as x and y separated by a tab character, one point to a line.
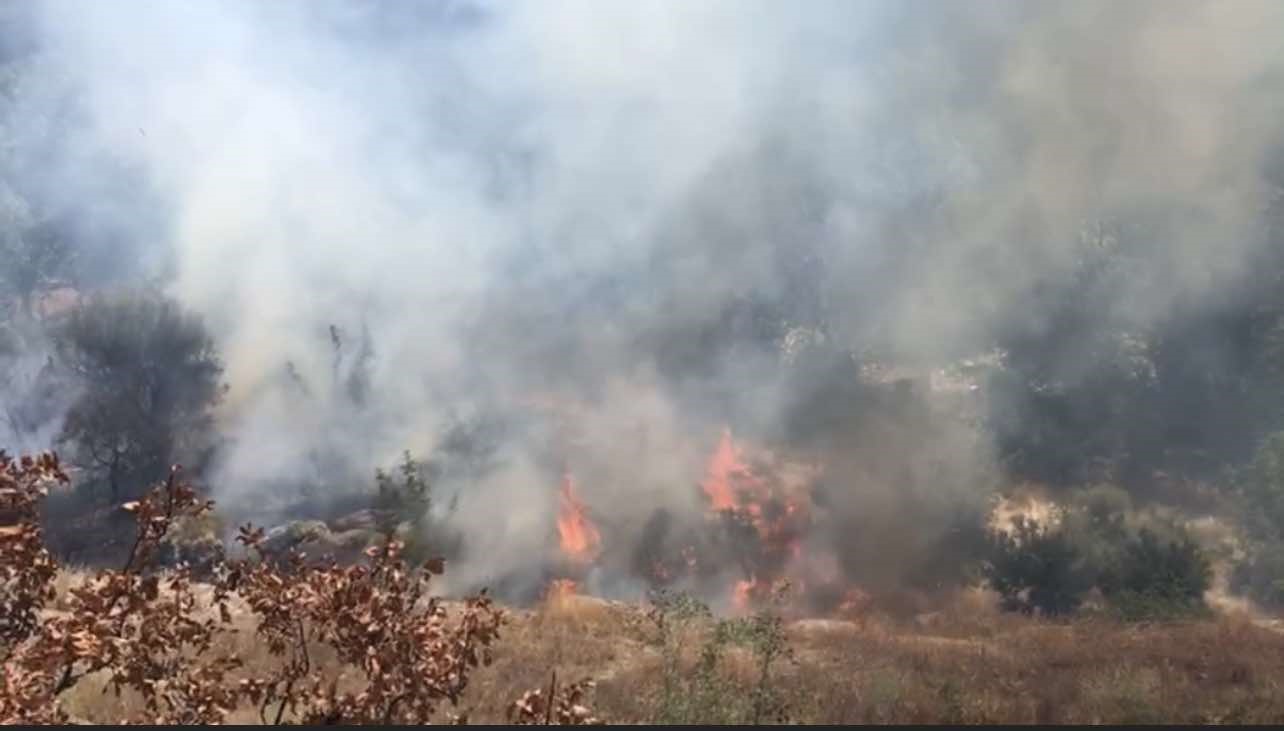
1037	569
1157	577
149	374
1145	568
154	634
537	708
404	504
407	499
1261	489
702	694
1260	575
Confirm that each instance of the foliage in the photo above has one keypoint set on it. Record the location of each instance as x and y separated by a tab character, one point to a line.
1157	577
155	633
409	499
35	255
142	630
1093	389
1142	567
1260	574
557	707
150	375
1261	487
28	570
379	620
405	509
702	693
1037	569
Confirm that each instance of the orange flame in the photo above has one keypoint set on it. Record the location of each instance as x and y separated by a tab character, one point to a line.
731	485
725	473
717	482
742	593
559	589
854	602
579	537
777	510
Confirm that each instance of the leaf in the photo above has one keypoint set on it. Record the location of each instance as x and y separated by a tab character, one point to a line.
435	566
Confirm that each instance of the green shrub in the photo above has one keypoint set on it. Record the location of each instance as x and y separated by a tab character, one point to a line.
1260	575
1144	568
404	505
1261	489
702	693
1036	569
1158	576
407	499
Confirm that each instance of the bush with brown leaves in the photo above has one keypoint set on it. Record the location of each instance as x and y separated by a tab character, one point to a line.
557	707
151	632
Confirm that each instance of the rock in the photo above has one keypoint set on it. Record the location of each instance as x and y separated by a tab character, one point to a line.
200	553
280	539
368	520
346	547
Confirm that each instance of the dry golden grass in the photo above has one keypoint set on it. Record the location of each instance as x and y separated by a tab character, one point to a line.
964	664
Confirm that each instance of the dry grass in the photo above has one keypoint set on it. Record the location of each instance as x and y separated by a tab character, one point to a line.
964	664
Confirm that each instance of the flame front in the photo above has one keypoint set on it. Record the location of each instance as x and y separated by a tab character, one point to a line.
777	514
579	537
723	465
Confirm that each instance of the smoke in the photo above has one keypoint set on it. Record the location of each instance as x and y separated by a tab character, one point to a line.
398	218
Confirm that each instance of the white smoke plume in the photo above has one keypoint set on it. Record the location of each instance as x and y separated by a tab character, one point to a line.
498	202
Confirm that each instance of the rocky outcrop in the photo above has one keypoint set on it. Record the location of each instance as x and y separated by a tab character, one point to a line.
200	553
318	542
367	520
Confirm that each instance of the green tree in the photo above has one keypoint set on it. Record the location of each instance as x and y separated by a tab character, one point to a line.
1261	489
149	375
404	505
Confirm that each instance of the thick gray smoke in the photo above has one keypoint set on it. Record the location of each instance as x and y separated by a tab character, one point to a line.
597	204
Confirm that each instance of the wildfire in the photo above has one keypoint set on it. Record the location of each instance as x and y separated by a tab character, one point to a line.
759	508
742	593
560	589
578	536
724	466
777	514
854	602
